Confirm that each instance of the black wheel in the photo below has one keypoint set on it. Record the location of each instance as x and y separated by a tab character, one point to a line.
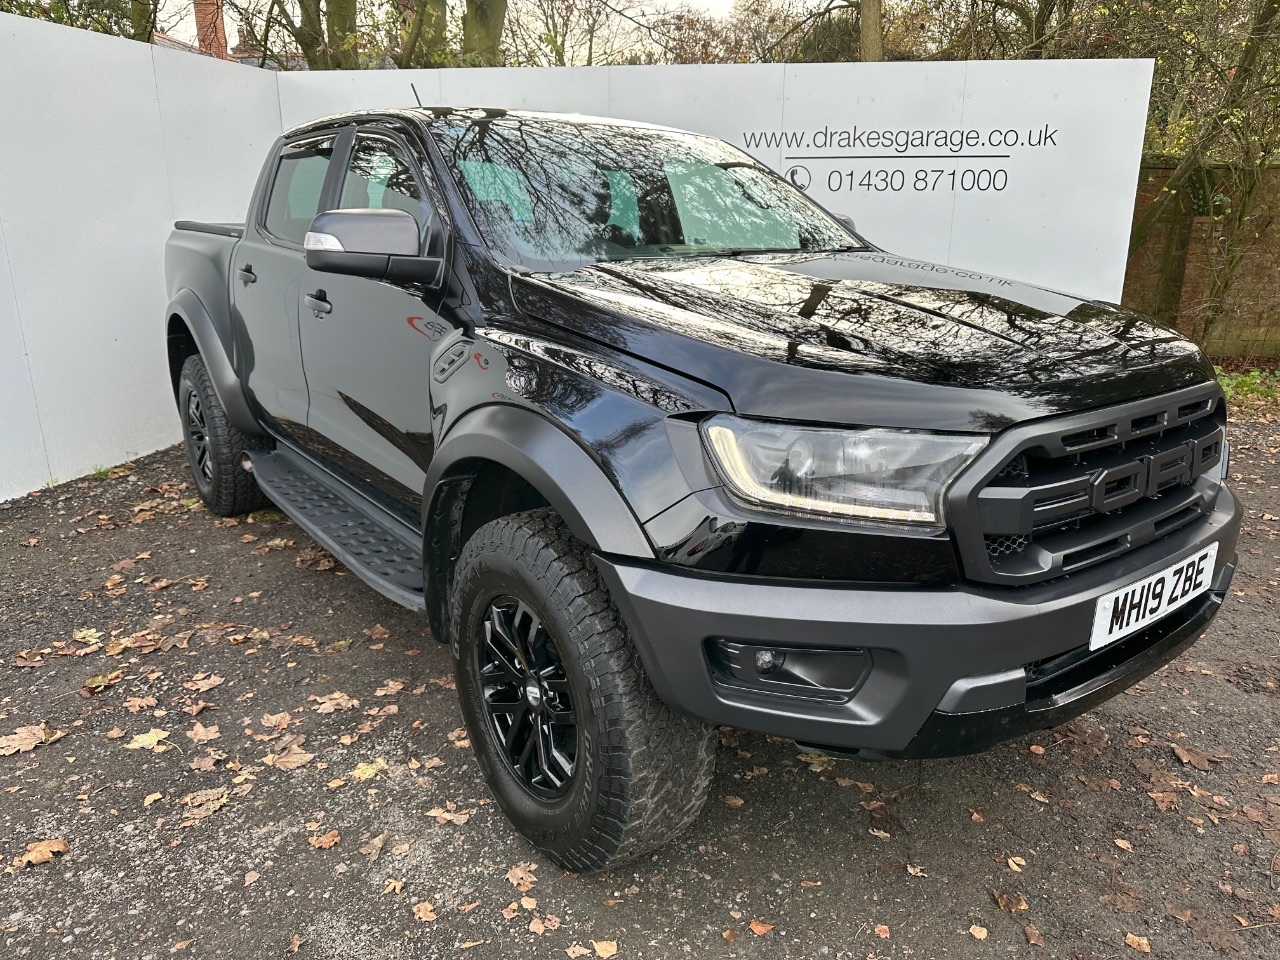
584	759
214	446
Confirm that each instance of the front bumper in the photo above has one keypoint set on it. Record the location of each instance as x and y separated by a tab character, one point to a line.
950	670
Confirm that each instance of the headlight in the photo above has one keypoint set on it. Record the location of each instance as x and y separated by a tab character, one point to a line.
894	476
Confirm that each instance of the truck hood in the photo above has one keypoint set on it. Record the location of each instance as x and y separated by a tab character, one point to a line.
868	338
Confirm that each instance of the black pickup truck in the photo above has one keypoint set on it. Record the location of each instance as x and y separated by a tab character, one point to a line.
657	443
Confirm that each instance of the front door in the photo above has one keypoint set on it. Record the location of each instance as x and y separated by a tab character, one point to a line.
266	277
368	349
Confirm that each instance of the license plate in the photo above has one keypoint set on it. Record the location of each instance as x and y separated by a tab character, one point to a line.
1140	604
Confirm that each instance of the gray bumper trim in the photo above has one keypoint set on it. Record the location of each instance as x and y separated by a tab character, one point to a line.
921	641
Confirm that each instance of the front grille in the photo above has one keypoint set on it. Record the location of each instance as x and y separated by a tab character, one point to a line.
1060	495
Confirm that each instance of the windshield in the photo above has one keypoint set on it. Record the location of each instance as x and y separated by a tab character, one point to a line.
554	194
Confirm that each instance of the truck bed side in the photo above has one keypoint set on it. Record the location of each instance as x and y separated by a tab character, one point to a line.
197	267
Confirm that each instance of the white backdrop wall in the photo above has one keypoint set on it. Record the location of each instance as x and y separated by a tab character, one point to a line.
107	142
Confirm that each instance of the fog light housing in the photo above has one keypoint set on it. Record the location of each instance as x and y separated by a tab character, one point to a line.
767	661
812	673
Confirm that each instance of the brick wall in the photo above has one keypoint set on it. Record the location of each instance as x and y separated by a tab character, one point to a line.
1168	274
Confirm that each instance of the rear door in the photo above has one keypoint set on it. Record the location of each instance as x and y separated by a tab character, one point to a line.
266	279
368	351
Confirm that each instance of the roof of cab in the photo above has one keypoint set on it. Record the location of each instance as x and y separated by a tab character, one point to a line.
434	115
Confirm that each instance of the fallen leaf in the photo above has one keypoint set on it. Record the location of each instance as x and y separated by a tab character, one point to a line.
734	802
325	841
1037	749
368	770
977	932
605	948
183	944
389	688
1016	864
574	950
204	682
151	798
26	739
521	876
333	702
135	704
817	762
424	911
294	943
40	852
882	931
1034	938
202	803
276	721
199	733
152	740
880	834
915	871
759	927
1124	845
1197	758
289	754
393	885
250	877
99	682
373	848
729	935
377	632
1010	903
1141	944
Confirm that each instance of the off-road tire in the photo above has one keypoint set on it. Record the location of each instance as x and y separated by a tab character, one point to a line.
642	771
226	488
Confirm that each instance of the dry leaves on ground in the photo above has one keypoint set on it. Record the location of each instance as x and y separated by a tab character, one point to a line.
26	739
42	851
424	911
325	840
289	754
759	927
1141	944
333	702
1198	758
605	948
152	740
521	876
203	803
199	733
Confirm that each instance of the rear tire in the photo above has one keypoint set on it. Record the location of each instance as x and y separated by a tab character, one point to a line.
214	446
589	765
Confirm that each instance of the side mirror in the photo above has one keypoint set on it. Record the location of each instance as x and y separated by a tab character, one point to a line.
378	244
847	220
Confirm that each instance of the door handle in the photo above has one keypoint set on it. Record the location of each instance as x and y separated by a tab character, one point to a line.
246	274
317	302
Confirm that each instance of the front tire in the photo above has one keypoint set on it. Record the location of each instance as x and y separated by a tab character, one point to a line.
214	446
586	761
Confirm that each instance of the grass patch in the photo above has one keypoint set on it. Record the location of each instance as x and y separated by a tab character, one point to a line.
1249	386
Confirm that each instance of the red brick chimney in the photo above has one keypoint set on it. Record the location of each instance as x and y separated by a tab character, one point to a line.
210	31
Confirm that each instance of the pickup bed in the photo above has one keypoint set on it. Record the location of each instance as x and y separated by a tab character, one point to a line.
656	444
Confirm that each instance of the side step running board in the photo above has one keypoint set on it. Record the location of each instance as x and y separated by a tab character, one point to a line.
374	545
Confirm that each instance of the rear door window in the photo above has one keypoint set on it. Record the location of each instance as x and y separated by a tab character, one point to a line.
296	190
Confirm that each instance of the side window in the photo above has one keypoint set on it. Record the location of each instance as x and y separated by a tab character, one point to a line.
295	192
379	178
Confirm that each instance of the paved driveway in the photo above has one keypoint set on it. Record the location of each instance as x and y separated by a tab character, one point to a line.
250	753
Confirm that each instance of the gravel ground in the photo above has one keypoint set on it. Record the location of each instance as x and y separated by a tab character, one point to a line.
233	748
